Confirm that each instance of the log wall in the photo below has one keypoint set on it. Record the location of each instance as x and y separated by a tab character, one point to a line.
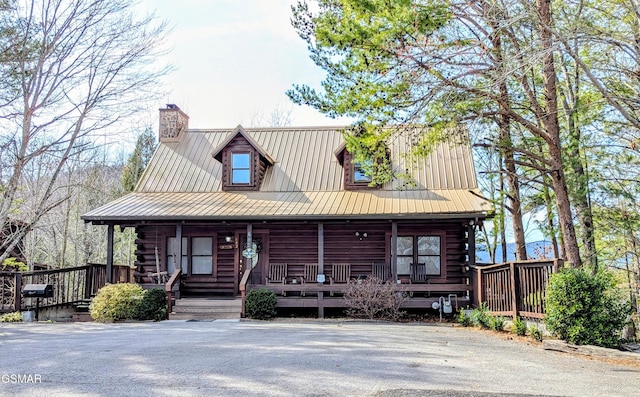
296	244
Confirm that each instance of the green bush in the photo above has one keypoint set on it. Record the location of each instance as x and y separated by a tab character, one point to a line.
480	316
261	304
496	323
14	317
153	305
519	327
12	264
585	310
463	319
116	302
535	333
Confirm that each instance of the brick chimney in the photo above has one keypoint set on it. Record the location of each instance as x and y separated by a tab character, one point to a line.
173	123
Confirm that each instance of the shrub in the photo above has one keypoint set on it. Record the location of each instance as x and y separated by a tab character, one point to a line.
519	327
535	333
261	304
585	309
372	298
14	317
116	302
464	319
153	305
496	323
480	316
12	264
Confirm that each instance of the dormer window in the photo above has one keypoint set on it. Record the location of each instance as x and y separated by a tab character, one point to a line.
240	168
357	174
360	172
244	161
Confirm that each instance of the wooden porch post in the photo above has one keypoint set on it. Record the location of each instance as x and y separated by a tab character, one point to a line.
17	293
394	250
514	288
178	250
109	275
249	245
471	243
320	267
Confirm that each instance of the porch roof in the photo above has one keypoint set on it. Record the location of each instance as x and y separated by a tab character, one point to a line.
383	204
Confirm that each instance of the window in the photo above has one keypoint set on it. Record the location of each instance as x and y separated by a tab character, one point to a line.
240	168
200	255
419	249
360	172
172	251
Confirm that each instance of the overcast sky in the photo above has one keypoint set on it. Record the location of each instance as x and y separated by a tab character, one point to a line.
234	60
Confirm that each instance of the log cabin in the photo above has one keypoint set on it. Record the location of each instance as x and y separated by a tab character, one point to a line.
227	209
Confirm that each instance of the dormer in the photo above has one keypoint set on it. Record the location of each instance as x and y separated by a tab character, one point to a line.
356	176
244	161
174	123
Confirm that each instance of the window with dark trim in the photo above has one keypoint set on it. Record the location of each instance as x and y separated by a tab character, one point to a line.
172	260
360	172
419	249
201	255
240	168
197	254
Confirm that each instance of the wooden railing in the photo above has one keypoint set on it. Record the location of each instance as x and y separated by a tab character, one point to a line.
243	287
170	286
70	285
513	288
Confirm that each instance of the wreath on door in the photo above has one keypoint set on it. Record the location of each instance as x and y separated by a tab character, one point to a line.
256	244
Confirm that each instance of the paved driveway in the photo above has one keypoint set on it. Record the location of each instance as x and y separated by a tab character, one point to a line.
223	358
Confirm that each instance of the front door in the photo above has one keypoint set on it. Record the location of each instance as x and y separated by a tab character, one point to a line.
259	262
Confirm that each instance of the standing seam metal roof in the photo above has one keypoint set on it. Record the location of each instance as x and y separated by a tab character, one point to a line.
183	180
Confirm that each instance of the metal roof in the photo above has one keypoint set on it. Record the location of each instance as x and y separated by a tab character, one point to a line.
183	181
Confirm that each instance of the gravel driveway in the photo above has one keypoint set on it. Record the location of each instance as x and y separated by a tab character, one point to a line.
282	358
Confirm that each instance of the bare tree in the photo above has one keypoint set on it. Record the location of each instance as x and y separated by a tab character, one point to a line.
77	68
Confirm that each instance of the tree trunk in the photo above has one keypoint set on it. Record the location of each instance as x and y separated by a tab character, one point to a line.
579	187
552	229
506	145
550	122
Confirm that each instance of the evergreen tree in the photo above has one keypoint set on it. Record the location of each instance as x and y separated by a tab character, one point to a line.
132	171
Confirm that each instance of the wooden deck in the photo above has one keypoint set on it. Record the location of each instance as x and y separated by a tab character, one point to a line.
314	295
309	288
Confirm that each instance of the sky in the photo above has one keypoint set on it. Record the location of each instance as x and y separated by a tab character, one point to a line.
234	60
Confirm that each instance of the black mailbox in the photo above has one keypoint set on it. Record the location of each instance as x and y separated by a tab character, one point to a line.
37	291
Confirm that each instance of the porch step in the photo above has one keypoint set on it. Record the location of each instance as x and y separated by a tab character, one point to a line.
206	309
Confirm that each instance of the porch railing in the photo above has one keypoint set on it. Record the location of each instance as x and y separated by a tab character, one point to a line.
70	285
513	288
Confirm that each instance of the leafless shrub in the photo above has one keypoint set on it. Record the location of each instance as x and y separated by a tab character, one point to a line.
373	298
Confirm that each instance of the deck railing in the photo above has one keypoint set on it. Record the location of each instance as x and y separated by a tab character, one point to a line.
70	285
514	288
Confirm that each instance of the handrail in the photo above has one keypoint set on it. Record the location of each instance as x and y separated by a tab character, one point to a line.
243	286
514	287
168	288
490	266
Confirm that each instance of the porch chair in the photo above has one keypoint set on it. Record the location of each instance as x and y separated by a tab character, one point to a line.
340	274
159	277
310	275
418	273
277	274
380	271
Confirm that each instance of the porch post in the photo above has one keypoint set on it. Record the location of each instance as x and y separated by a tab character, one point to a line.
109	274
178	250
471	243
320	267
249	261
394	250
